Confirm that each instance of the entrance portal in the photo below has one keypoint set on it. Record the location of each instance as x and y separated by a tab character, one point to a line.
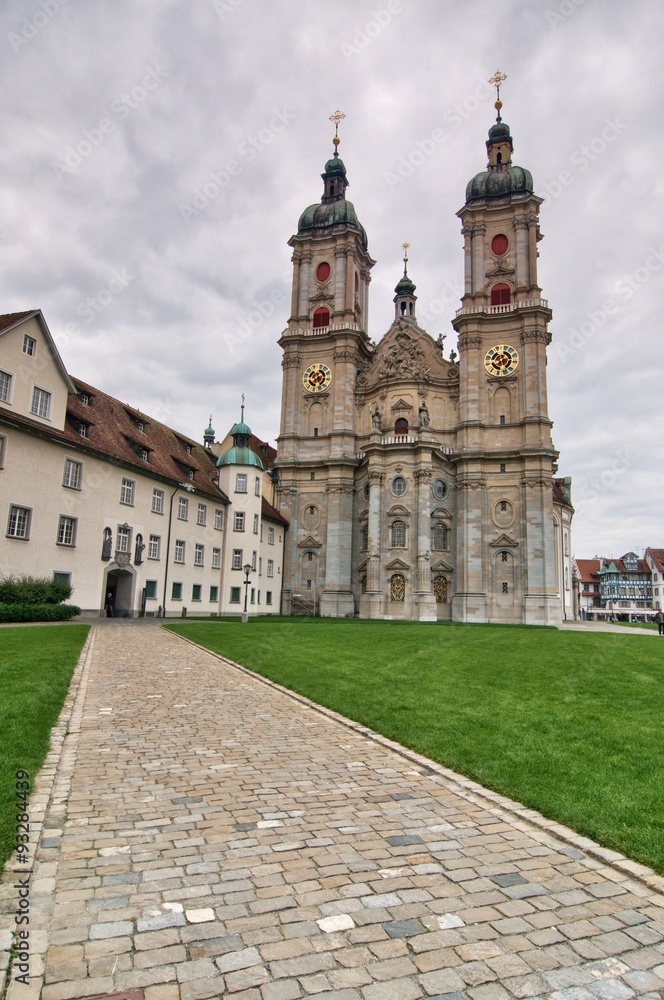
120	583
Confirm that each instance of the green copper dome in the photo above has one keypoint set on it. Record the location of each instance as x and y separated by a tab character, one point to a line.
499	183
239	455
333	209
405	286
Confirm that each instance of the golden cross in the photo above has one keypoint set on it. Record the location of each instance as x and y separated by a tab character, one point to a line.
337	117
496	81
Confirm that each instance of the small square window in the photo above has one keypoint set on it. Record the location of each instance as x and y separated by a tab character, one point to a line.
127	492
83	430
73	474
196	592
123	539
62	578
29	346
84	398
67	530
502	418
19	522
6	381
145	455
176	592
41	403
140	427
235	595
214	594
151	590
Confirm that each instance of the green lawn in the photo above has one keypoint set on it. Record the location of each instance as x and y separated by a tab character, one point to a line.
36	666
569	723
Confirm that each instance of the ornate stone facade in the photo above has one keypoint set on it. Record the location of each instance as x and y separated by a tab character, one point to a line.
431	477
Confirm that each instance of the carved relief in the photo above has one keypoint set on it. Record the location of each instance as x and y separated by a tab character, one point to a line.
470	484
291	361
339	488
469	340
422	475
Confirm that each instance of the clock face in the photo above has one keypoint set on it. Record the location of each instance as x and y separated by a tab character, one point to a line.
317	378
501	360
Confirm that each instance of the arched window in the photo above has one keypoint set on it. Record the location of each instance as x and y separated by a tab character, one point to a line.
398	588
439	535
364	537
398	534
399	486
440	589
321	317
401	427
501	295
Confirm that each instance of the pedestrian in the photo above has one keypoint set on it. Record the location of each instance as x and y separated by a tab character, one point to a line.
659	618
109	605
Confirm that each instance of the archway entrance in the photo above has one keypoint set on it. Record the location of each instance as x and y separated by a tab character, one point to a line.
120	583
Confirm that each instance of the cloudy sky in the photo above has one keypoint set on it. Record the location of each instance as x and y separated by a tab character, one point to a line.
157	154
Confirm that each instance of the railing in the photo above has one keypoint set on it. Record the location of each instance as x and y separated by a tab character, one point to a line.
507	308
301	604
319	331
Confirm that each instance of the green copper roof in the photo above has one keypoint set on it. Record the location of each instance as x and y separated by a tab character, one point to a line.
327	215
499	183
241	428
239	455
405	286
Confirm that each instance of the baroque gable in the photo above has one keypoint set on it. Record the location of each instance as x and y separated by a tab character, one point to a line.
406	353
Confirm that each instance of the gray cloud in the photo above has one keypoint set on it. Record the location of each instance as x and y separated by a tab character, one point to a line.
148	104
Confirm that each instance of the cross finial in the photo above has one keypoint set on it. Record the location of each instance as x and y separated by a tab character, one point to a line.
242	408
335	118
405	256
496	81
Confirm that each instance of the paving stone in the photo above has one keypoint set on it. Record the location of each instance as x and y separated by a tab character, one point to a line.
206	853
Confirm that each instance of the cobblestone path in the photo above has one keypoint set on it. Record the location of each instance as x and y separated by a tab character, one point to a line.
210	836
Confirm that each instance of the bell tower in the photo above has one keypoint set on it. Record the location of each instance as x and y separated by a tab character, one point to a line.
325	343
505	456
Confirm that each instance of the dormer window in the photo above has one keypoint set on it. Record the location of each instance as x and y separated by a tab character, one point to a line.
140	427
83	430
84	398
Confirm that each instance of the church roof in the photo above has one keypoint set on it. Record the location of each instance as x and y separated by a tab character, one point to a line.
325	216
239	455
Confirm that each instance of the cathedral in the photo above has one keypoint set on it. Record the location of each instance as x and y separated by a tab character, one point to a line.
420	486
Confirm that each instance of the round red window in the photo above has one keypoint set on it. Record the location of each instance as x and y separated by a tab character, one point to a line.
323	271
499	245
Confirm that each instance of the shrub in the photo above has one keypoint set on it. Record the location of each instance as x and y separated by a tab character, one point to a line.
33	590
37	612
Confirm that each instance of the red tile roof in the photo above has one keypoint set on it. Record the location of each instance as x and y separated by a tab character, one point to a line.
588	570
272	514
10	319
113	434
657	556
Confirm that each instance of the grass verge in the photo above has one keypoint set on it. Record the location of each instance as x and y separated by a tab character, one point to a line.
36	666
568	723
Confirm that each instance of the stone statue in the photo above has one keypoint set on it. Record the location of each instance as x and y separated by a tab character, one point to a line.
441	340
107	544
424	416
376	419
453	356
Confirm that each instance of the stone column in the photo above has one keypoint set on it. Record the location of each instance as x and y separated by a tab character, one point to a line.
304	289
541	601
372	602
288	505
424	601
522	254
466	232
478	259
532	250
337	599
469	603
297	260
339	280
350	284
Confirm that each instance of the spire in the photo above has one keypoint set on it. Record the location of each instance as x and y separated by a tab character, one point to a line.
405	298
499	144
334	176
208	434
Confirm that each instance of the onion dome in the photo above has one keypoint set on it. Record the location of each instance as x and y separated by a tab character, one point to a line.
405	297
208	434
333	209
501	179
240	453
